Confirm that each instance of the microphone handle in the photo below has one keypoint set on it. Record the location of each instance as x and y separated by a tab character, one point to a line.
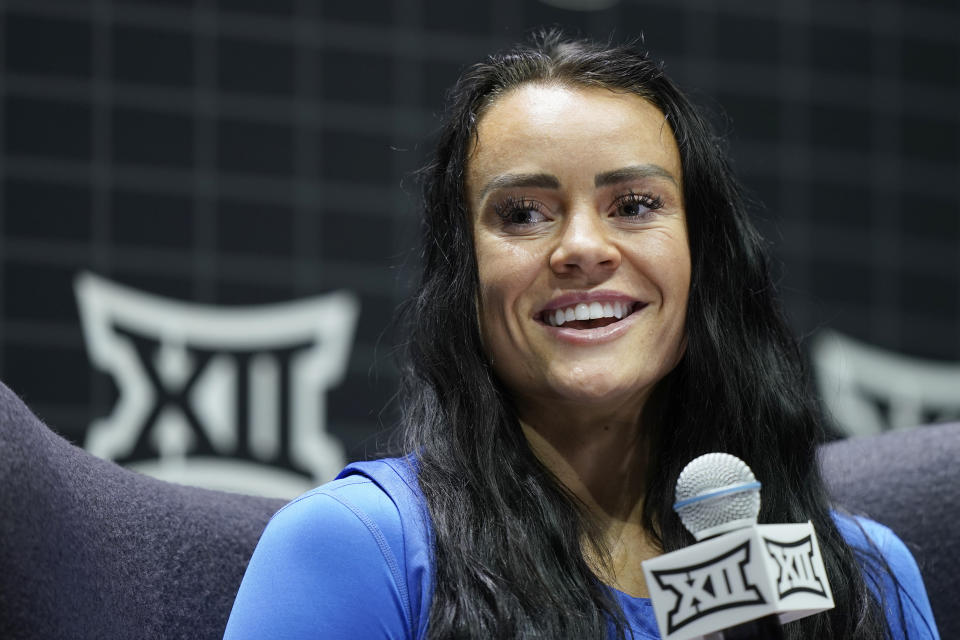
765	628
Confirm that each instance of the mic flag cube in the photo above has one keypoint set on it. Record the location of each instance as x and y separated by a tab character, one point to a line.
737	577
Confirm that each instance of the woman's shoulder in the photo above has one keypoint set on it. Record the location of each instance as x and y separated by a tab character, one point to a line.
349	492
866	536
380	496
345	547
891	573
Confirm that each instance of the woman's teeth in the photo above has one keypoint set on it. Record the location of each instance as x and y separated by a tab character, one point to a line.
588	311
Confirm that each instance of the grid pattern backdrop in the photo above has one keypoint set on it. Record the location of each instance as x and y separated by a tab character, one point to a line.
243	152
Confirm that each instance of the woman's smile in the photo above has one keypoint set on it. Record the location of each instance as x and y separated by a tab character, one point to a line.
589	317
588	310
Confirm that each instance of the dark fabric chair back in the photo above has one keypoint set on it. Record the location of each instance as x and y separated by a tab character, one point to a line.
89	549
909	481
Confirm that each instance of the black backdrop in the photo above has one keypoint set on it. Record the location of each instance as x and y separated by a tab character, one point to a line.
242	152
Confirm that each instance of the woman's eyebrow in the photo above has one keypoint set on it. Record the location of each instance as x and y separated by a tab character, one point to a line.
634	172
548	181
509	180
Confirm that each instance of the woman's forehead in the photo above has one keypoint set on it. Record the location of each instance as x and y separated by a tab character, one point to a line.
545	126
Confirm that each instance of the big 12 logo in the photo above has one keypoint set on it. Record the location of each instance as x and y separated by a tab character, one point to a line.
225	397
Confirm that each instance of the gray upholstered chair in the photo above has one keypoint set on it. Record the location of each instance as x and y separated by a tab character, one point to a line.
91	550
910	481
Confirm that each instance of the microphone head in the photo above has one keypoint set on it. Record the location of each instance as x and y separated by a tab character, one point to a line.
716	493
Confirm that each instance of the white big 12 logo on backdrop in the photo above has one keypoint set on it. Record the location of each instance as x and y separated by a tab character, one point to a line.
867	390
224	397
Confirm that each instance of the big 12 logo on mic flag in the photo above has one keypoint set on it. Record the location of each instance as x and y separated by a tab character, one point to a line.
737	577
224	397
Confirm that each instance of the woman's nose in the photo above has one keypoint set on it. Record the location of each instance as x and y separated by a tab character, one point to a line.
585	247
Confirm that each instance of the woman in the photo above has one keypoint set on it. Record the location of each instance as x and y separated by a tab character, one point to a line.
595	311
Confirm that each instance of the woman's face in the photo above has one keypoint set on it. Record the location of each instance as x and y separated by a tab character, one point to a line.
581	242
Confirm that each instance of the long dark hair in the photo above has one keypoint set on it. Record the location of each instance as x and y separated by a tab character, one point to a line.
508	557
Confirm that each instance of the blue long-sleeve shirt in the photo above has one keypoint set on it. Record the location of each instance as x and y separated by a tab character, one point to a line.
351	559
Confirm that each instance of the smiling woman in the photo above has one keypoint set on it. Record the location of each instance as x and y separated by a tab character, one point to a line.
595	311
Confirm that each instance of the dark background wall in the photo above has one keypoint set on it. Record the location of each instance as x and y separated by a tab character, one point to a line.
241	152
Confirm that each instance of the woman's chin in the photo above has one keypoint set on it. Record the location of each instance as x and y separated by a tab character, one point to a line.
580	391
599	394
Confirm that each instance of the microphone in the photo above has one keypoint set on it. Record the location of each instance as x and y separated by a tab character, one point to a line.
741	580
717	493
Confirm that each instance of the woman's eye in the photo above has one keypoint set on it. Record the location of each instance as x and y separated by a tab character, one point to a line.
637	205
524	216
519	213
